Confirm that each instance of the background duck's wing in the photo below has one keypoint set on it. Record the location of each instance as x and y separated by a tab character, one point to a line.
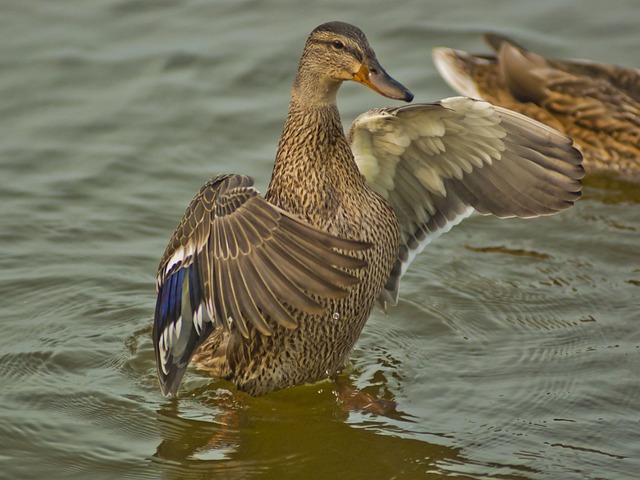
597	76
436	163
601	115
237	262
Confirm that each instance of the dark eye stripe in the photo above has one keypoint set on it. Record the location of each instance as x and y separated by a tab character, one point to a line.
355	52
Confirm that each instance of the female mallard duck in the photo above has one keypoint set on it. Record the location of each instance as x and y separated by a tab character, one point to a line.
598	105
273	291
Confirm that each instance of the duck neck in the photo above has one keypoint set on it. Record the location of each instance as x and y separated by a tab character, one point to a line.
313	163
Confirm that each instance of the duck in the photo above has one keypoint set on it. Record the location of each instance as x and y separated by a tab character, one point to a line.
272	291
596	104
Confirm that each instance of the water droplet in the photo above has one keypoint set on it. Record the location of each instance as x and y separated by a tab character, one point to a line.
336	316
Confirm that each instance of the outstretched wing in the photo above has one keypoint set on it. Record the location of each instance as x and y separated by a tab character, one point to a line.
436	163
237	262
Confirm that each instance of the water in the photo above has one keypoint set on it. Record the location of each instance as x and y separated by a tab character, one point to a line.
514	352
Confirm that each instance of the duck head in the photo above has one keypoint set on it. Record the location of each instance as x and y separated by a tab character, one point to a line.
336	52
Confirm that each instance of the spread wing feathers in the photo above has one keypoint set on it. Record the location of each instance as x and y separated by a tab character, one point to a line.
436	163
239	263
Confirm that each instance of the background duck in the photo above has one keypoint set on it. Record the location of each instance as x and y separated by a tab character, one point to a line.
273	291
596	104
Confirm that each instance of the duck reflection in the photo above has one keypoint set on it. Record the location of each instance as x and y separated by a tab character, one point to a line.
303	432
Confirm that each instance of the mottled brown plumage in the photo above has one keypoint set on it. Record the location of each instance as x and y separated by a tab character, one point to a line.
273	292
315	178
596	104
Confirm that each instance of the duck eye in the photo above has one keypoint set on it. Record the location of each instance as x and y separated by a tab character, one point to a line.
338	45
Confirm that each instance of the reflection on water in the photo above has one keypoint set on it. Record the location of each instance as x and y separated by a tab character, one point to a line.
290	437
513	353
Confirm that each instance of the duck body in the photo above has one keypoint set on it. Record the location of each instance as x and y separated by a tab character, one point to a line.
336	200
596	104
274	291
